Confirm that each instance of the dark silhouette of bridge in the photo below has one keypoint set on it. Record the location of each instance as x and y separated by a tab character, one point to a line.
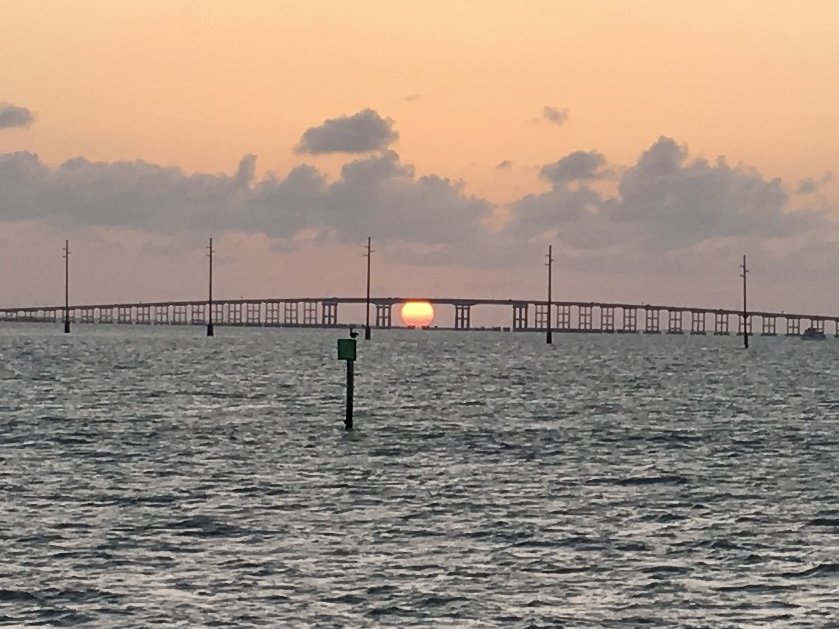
526	315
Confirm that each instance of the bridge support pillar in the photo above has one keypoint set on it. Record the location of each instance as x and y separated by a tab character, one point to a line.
563	317
652	323
253	313
748	325
674	322
87	315
218	314
540	316
124	314
768	326
793	326
234	313
196	314
629	320
272	313
462	316
161	314
310	313
384	315
607	319
697	322
144	315
720	323
291	310
519	317
817	324
179	315
329	313
584	318
106	315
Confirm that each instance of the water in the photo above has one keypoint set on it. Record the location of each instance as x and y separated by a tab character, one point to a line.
150	476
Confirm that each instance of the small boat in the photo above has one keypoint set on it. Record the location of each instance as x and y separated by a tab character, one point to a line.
813	334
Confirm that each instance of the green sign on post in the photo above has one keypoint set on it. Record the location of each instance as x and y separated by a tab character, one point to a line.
346	349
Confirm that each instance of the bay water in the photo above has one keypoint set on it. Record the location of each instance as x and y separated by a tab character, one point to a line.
153	477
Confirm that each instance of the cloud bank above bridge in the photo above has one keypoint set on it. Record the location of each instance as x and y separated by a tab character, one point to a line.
664	202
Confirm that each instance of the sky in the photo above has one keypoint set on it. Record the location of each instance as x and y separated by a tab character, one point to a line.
651	143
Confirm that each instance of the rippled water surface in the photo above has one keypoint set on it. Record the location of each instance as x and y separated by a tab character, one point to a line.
151	476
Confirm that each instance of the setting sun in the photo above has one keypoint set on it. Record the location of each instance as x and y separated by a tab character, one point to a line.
417	313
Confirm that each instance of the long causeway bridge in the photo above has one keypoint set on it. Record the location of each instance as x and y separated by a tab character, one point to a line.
526	315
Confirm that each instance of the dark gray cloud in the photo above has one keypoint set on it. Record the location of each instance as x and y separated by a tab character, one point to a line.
579	165
373	194
555	115
809	185
562	205
663	204
686	201
14	116
360	133
665	201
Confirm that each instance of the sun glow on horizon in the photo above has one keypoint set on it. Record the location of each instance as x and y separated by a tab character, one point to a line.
417	314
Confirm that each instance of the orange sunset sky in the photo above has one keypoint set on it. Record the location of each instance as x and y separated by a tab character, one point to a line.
652	143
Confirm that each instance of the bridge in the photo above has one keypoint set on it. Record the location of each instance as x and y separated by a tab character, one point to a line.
526	315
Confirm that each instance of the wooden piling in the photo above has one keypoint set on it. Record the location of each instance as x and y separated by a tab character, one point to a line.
550	262
369	255
745	310
210	330
66	287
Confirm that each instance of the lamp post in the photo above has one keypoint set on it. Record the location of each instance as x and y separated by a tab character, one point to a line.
66	287
745	310
210	330
368	254
549	264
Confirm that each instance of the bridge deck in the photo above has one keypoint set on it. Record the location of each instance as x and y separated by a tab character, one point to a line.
23	311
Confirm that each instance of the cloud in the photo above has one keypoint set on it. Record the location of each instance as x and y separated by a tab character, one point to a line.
686	201
360	133
663	205
554	115
578	165
809	185
14	116
412	98
665	201
376	194
504	165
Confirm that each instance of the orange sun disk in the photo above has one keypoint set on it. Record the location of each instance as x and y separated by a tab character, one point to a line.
417	314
